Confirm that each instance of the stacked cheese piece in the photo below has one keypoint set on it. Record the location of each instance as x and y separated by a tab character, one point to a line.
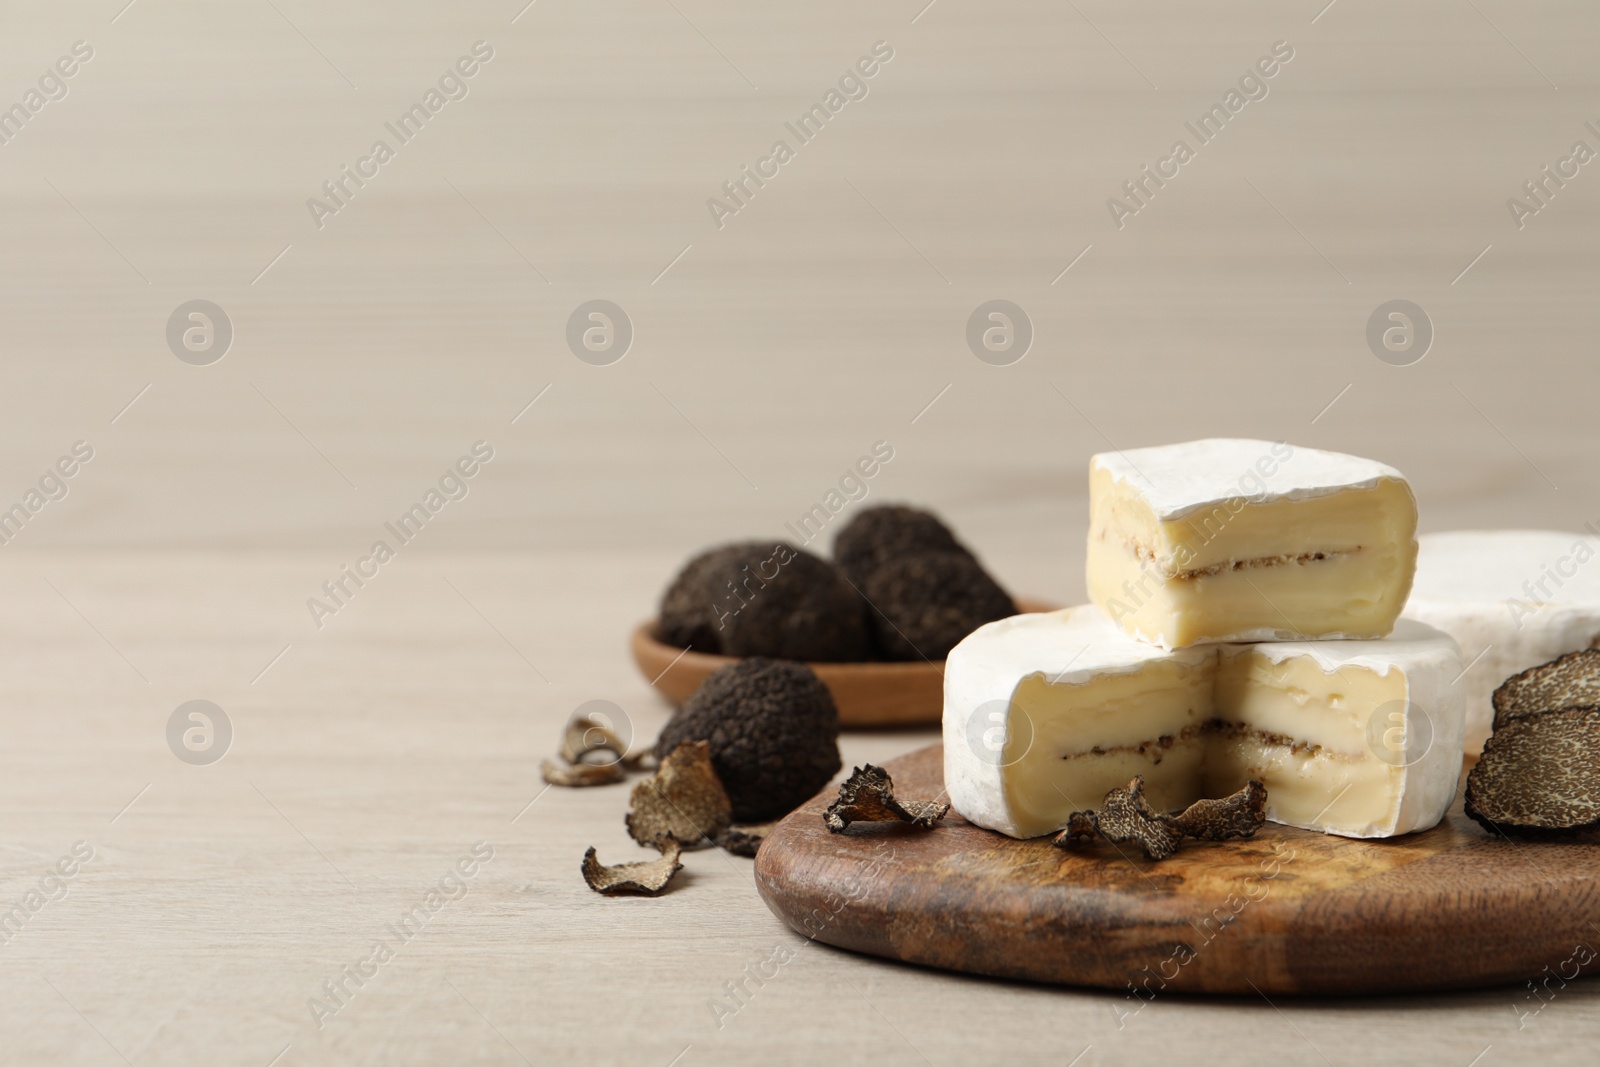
1243	627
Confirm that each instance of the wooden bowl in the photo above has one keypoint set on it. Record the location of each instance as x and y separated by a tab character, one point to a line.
867	694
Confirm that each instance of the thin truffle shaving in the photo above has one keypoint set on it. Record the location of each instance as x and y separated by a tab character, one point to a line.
584	735
1568	681
1237	815
744	840
591	754
645	878
581	774
683	801
1539	775
1125	815
868	796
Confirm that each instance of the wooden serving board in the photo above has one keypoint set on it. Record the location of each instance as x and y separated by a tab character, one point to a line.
1289	911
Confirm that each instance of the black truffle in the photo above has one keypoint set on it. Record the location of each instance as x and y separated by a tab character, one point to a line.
1569	681
1125	815
759	598
878	535
1539	775
923	605
685	617
773	731
868	796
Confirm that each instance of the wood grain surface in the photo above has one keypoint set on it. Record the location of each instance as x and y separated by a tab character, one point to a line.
1288	911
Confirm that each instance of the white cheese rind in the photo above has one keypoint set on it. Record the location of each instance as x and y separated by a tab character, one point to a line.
1414	647
1075	647
1512	599
1177	480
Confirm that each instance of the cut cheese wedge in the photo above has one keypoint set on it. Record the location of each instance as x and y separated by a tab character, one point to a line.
1358	738
1240	540
1512	599
1045	713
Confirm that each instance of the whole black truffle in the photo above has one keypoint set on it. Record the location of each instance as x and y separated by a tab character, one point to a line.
925	604
684	618
773	731
760	598
688	616
891	531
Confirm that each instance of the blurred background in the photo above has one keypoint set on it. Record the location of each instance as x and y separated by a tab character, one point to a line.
829	311
354	343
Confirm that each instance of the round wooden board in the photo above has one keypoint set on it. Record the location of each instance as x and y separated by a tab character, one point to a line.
1289	911
866	694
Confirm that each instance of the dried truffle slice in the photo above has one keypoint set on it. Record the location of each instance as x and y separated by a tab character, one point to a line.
744	840
1080	830
924	605
773	730
758	598
577	775
1570	681
1539	775
683	801
891	531
591	754
584	737
1237	815
868	796
645	878
1125	815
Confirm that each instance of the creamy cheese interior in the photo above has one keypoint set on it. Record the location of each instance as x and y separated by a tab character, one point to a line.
1360	738
1334	564
1356	798
1205	730
1309	736
1067	745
